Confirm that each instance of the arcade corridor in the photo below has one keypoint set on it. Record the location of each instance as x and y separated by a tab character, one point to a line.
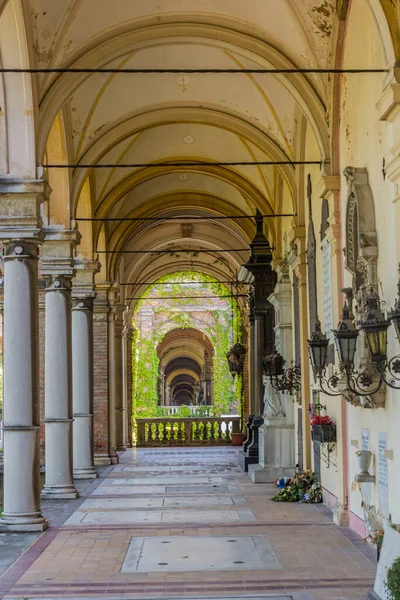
177	523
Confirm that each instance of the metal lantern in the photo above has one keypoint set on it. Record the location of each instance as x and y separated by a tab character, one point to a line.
273	363
375	326
318	348
235	358
346	336
394	314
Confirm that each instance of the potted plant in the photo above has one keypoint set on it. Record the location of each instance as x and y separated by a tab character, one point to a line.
237	439
323	429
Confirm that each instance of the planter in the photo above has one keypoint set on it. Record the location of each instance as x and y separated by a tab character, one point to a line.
237	439
323	433
389	552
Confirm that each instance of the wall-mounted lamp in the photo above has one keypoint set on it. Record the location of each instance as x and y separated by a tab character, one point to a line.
282	380
375	326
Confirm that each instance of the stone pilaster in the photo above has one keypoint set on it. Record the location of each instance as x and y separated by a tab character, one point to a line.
20	231
113	374
101	376
57	269
127	377
120	408
297	260
276	435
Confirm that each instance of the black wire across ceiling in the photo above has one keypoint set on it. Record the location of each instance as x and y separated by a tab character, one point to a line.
172	251
188	163
184	218
128	71
236	283
189	297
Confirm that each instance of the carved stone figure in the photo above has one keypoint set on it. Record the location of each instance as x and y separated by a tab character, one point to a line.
273	407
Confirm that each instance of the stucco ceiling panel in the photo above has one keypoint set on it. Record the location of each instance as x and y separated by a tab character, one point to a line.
102	99
181	140
179	182
73	23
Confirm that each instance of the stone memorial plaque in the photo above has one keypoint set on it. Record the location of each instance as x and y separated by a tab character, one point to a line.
383	494
366	445
327	287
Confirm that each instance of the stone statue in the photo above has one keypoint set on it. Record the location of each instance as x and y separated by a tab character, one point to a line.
273	407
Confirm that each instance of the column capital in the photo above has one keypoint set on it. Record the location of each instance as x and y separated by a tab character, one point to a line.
82	302
20	202
58	283
57	254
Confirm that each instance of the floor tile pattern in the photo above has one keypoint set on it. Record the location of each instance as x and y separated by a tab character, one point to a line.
188	508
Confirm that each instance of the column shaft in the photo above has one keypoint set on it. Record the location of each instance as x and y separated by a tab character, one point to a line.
22	511
82	388
259	349
112	374
119	395
58	390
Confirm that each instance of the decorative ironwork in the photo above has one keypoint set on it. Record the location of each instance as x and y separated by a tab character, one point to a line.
282	380
374	324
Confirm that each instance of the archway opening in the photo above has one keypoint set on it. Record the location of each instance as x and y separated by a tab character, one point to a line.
184	325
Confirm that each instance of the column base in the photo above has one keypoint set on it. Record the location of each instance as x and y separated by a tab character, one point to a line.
245	460
260	474
85	473
114	459
102	460
24	523
340	515
122	448
59	493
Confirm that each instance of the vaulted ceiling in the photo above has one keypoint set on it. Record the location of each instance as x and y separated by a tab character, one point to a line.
114	119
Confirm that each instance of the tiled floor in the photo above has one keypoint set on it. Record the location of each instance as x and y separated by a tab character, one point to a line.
187	523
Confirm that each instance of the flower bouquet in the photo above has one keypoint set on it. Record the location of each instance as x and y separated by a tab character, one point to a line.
323	429
302	487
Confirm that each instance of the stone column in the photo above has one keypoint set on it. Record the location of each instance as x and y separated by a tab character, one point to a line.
113	373
57	268
20	232
82	385
127	368
21	428
118	382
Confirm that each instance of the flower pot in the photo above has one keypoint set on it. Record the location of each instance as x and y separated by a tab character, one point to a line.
237	439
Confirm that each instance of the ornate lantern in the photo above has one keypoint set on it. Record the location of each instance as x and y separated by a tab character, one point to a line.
375	326
346	336
318	348
235	358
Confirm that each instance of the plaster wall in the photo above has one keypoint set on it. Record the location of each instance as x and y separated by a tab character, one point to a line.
365	142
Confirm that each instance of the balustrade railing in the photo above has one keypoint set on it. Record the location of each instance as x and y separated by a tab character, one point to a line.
195	431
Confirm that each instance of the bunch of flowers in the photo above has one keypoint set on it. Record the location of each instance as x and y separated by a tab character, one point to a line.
302	487
324	421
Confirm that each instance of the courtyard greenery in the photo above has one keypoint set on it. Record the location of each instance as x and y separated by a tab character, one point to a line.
222	325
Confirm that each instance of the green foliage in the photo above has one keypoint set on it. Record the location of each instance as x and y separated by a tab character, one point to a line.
227	325
393	580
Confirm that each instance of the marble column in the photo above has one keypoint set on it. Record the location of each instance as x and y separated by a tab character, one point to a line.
82	385
127	366
58	388
21	430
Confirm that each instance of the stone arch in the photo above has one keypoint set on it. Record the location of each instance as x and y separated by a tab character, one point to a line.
18	112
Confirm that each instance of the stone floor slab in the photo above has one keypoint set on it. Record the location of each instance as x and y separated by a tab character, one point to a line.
161	480
128	490
156	516
208	553
118	503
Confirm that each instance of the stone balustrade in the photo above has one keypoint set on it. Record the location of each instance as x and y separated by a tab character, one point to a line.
195	431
